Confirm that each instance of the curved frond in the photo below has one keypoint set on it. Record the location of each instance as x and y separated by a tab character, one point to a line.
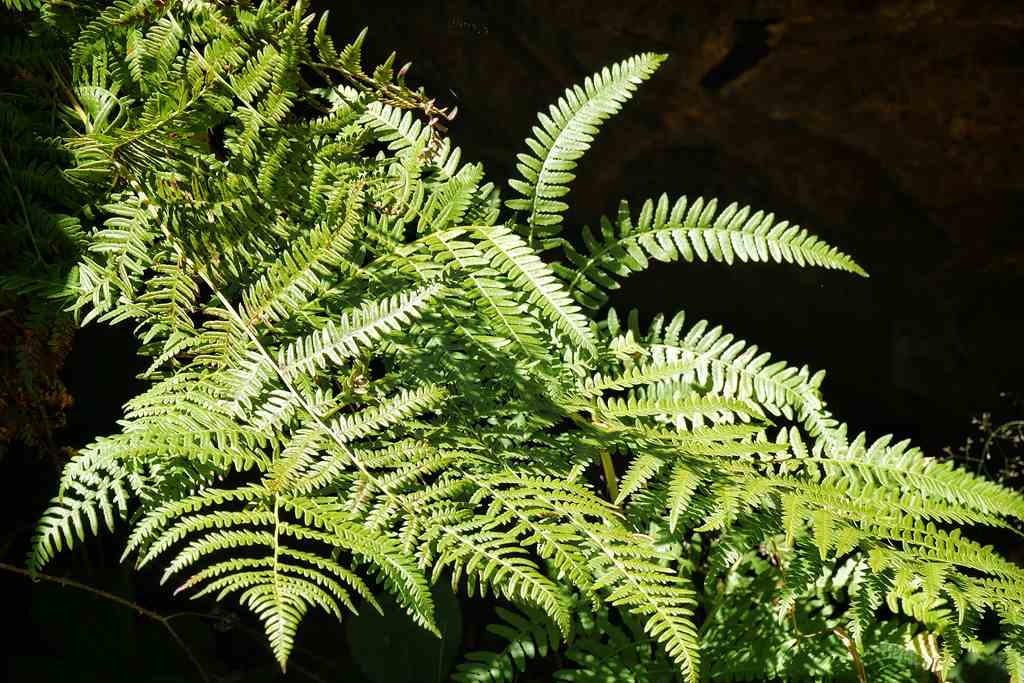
527	637
565	134
690	231
355	330
733	368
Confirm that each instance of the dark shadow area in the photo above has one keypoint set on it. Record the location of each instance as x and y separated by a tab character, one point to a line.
749	47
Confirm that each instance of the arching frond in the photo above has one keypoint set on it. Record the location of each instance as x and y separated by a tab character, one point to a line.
564	135
92	486
355	330
527	637
688	231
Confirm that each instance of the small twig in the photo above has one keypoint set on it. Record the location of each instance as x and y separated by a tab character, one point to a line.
150	614
200	615
997	432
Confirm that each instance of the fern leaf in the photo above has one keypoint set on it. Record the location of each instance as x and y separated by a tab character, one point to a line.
491	557
89	491
1014	661
635	376
734	368
402	576
299	271
898	465
689	231
501	306
394	410
408	138
527	636
648	589
640	471
682	485
565	134
689	407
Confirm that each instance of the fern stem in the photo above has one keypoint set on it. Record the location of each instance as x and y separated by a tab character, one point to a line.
610	479
149	614
607	466
858	665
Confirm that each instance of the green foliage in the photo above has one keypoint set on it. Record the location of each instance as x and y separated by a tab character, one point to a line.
564	135
688	231
365	378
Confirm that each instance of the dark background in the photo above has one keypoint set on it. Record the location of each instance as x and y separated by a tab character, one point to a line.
892	130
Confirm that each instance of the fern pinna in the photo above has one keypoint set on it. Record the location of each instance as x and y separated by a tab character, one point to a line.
368	373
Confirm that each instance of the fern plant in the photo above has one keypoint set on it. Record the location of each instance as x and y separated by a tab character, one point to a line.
368	374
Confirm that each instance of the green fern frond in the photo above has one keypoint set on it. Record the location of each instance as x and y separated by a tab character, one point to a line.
564	135
608	651
900	466
689	231
693	407
394	410
23	5
408	137
337	341
640	471
91	486
682	486
734	368
501	306
402	576
648	589
544	512
451	200
636	376
490	557
291	279
166	511
1014	663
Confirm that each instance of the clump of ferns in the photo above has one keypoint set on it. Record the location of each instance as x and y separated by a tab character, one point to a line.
370	373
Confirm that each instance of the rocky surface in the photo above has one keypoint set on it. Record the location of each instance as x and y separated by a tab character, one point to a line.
891	129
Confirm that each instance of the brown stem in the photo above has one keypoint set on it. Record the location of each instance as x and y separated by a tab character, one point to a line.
150	614
858	665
